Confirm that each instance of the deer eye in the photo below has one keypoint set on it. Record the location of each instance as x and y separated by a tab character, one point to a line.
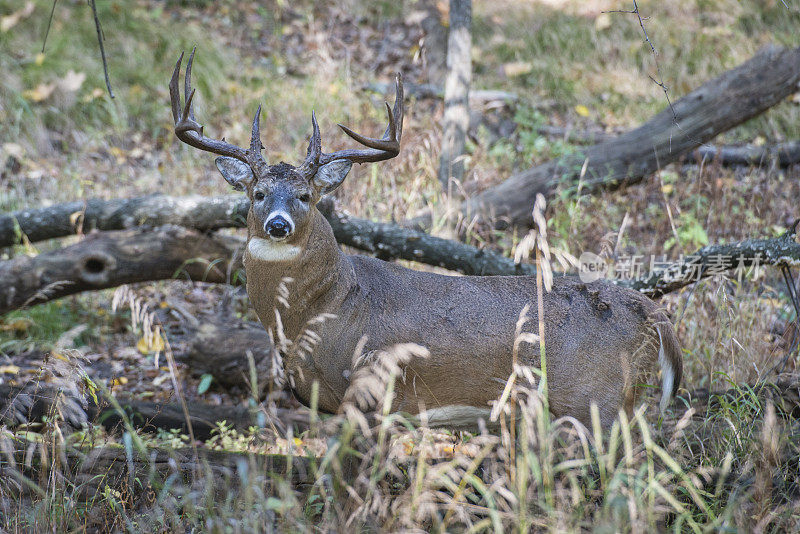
258	195
305	197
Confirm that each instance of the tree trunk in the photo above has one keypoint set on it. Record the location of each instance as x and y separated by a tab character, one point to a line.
717	106
456	93
110	259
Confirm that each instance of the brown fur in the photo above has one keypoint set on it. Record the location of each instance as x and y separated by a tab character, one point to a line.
600	339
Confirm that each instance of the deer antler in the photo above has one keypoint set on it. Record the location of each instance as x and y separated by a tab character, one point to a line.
188	130
386	147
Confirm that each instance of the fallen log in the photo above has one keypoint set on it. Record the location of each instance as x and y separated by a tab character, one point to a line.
138	474
110	259
386	240
220	347
717	106
780	154
70	218
720	259
31	403
164	253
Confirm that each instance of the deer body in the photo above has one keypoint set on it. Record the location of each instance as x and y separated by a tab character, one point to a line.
600	339
345	312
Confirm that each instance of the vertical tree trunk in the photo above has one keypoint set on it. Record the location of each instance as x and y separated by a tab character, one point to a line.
456	92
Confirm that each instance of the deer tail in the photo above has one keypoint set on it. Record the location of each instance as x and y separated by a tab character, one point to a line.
670	360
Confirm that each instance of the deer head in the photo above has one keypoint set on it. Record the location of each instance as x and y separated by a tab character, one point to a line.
282	195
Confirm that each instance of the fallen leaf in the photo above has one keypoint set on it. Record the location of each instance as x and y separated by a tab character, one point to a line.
72	81
156	344
9	370
40	93
205	383
602	22
119	154
9	21
517	68
13	149
17	325
74	217
161	379
95	94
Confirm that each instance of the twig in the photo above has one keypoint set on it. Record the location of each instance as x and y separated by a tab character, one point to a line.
49	23
660	81
102	48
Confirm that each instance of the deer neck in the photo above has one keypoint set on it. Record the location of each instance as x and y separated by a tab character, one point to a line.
301	280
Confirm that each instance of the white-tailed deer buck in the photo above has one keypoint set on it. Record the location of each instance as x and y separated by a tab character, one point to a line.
601	340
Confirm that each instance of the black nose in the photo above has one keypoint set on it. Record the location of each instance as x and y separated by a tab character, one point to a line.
278	227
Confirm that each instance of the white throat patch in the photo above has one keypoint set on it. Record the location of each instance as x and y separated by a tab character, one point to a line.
269	250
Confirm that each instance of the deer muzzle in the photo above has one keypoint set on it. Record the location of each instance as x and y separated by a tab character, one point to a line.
279	225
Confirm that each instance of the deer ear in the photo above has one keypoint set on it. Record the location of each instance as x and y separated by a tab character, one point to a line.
237	173
331	175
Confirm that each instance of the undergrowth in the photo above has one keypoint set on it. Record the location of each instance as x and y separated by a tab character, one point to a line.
724	462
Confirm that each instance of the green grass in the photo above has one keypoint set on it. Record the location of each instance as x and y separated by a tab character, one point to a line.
41	326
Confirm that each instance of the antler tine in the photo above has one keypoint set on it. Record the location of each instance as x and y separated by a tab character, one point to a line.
314	151
378	149
255	135
399	108
187	129
187	83
174	93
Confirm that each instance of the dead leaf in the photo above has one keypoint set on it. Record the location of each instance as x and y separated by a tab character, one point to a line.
602	22
40	93
582	110
156	344
71	81
75	217
95	94
9	370
13	149
517	68
9	21
119	154
17	325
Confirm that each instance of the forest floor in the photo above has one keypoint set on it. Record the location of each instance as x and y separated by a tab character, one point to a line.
572	64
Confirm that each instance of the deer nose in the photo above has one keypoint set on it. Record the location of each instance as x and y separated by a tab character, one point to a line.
278	227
